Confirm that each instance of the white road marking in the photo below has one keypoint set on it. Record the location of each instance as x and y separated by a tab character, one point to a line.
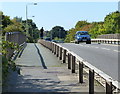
96	47
116	51
86	46
81	45
105	48
110	44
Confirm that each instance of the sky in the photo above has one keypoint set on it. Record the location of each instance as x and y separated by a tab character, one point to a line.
65	14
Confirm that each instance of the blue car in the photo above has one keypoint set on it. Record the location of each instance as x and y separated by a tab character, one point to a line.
82	36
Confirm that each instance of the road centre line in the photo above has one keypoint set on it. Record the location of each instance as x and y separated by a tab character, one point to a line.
96	47
86	46
105	48
116	51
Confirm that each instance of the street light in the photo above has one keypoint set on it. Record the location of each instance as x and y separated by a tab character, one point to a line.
27	15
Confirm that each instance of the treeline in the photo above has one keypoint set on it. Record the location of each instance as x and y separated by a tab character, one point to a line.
110	25
17	24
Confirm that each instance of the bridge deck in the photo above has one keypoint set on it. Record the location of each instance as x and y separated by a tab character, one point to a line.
41	71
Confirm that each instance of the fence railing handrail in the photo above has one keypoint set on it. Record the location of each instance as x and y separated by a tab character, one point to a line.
98	71
103	75
106	39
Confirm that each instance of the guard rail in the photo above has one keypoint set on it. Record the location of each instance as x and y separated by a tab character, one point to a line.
67	56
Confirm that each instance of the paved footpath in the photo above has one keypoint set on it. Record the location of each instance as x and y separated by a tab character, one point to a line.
41	71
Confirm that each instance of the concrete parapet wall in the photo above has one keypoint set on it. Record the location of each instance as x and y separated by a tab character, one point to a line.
16	37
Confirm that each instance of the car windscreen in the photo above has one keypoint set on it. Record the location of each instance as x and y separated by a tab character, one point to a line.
82	33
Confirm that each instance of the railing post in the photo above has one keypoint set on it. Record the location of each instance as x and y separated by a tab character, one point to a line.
64	56
108	87
80	72
60	52
69	61
54	48
91	81
73	64
57	51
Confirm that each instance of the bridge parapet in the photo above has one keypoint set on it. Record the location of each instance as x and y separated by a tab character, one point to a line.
72	59
16	37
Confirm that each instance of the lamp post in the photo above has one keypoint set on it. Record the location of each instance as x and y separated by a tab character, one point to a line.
27	15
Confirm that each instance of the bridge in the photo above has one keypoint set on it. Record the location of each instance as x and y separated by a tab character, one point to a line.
67	67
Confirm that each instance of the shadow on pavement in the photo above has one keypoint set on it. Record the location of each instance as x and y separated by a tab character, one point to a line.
19	84
41	58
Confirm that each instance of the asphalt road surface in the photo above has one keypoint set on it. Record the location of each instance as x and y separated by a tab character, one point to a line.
102	56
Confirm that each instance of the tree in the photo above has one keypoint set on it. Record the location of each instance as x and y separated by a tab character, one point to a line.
112	23
5	20
58	31
80	24
14	27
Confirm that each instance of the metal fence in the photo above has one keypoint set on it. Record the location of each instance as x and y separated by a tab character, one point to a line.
109	36
72	59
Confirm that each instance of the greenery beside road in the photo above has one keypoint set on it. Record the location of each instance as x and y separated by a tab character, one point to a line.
17	24
110	25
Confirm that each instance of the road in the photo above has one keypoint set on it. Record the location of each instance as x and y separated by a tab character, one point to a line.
102	56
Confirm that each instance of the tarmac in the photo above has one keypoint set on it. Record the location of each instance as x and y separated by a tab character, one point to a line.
41	71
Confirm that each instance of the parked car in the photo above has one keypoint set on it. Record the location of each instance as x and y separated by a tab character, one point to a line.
82	36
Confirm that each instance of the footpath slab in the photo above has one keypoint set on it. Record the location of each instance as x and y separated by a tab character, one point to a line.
41	71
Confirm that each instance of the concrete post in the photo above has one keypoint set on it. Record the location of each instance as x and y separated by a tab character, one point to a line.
80	72
91	81
60	52
69	61
64	56
57	51
54	48
108	87
73	64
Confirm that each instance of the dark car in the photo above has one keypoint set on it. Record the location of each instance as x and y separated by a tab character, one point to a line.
48	39
82	36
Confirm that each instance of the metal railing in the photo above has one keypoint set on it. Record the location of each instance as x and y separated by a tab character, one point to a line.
107	41
72	59
109	36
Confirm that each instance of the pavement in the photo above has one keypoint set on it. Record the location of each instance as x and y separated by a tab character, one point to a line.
41	71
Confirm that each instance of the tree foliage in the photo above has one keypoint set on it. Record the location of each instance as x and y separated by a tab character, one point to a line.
111	25
5	20
15	26
57	31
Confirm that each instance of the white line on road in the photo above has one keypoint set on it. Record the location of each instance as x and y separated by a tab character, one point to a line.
96	47
86	46
105	48
81	45
116	51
